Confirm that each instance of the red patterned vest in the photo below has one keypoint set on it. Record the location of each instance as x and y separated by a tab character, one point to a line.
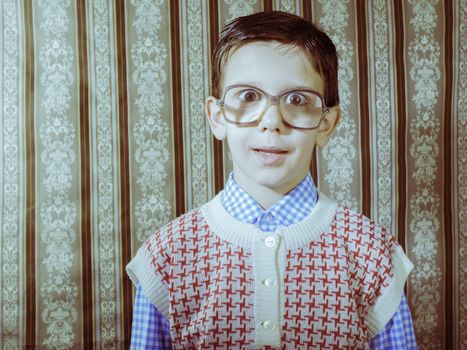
329	282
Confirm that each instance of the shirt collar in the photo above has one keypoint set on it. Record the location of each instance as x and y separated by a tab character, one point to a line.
290	209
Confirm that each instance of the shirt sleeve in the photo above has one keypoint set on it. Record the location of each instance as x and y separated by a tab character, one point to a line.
150	330
398	332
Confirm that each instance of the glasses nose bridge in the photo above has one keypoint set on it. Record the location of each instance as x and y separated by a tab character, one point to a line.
271	100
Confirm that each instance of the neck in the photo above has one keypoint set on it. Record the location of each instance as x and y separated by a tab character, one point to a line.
263	195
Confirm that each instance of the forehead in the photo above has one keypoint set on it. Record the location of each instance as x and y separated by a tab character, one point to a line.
272	66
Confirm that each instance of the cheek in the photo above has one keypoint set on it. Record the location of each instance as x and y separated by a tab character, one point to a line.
237	142
306	147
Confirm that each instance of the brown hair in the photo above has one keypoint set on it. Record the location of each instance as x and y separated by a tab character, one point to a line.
287	29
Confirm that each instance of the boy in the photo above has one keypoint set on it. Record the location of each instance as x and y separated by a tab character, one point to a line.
270	262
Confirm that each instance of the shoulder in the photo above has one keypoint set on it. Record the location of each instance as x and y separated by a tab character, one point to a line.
188	223
355	224
365	240
353	218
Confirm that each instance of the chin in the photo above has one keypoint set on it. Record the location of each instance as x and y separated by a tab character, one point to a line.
271	181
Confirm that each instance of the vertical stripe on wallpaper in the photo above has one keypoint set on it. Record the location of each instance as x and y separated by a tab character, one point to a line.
290	6
459	133
307	10
2	145
401	122
381	101
363	113
149	127
122	165
31	212
446	162
230	9
196	88
217	146
177	109
11	174
424	125
85	155
268	5
338	157
106	242
56	111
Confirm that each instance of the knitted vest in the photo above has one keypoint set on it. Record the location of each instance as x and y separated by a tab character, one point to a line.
329	282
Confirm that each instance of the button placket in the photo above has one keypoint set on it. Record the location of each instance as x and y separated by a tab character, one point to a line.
267	291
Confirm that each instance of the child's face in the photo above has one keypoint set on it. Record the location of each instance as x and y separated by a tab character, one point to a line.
270	154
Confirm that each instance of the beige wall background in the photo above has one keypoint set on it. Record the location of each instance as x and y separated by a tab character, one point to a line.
103	140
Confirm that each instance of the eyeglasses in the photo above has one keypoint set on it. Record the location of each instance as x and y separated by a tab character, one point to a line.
245	105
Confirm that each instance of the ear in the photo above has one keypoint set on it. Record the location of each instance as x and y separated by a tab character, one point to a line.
327	126
215	119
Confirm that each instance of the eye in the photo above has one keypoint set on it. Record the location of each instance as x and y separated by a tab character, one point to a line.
296	99
249	95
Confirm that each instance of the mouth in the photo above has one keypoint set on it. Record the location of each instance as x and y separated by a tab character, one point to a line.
270	155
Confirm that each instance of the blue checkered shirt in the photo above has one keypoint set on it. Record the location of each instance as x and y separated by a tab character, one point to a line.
151	330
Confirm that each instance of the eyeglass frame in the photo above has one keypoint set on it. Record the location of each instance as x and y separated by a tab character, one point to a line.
271	100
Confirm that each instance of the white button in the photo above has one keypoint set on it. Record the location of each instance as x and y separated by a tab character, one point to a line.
268	217
268	325
270	241
270	283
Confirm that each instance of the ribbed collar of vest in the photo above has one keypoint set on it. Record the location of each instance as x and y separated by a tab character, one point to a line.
295	236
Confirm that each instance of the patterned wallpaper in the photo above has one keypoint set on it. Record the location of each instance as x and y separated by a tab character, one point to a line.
104	140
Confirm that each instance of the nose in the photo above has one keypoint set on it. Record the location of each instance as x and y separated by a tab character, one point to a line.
271	119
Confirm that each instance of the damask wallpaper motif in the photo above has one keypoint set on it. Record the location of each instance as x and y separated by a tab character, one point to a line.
104	139
424	202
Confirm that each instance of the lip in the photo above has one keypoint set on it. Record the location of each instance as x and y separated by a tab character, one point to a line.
270	155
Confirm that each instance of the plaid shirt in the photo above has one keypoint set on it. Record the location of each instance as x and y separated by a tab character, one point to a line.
151	330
